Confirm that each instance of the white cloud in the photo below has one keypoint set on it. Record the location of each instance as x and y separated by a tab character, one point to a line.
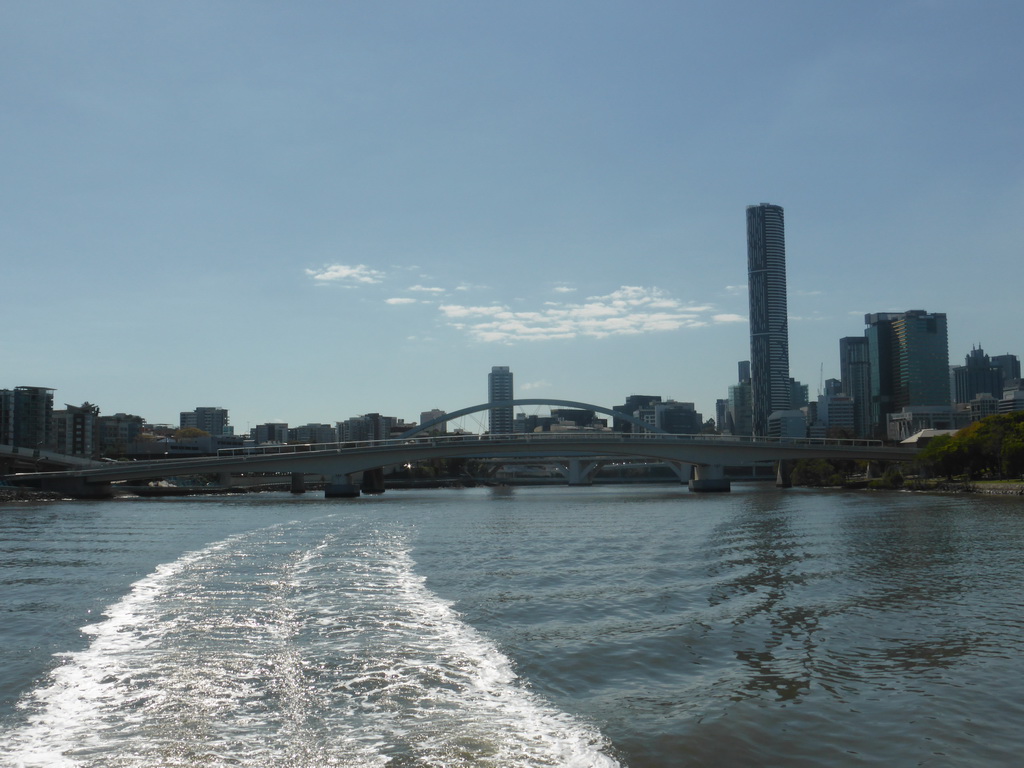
456	310
532	385
400	301
729	318
629	310
426	289
360	273
564	289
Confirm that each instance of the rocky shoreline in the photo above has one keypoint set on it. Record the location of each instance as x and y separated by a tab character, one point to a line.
13	493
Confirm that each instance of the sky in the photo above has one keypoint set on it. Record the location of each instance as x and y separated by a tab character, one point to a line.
307	211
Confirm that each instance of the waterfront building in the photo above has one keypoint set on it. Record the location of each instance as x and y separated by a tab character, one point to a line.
799	394
855	378
211	419
908	356
721	414
525	423
677	418
435	413
26	417
271	432
313	433
983	405
977	376
117	433
577	417
499	388
671	416
833	416
75	429
789	422
741	412
1013	399
370	426
633	404
769	324
912	419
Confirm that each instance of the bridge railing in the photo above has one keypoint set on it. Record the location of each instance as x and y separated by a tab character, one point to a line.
544	437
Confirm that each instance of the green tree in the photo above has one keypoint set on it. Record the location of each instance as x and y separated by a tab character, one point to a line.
993	446
817	473
943	455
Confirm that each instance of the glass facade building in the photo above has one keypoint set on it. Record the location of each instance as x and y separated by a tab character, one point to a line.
909	358
855	374
769	315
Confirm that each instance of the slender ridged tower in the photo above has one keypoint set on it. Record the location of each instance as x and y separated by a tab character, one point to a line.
769	321
499	388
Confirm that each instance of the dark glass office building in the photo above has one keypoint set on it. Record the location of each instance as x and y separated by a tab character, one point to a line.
769	320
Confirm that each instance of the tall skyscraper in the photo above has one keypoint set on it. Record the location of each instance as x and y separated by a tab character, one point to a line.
499	388
855	374
909	359
769	321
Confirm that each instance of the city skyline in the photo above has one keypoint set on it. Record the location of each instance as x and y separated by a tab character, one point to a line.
305	217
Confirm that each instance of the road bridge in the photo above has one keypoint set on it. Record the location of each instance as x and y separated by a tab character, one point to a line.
14	458
707	454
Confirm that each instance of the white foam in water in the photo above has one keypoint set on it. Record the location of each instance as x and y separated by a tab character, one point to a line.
251	652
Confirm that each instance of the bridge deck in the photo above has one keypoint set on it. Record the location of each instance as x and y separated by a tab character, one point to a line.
334	459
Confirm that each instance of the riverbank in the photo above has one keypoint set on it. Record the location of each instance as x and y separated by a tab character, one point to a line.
13	493
16	494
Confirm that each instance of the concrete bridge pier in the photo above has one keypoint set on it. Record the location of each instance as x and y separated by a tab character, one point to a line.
224	479
373	480
784	474
298	483
341	487
579	474
683	471
709	478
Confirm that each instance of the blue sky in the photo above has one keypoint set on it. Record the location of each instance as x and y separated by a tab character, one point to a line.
306	211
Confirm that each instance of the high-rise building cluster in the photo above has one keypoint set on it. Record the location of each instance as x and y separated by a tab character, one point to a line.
894	380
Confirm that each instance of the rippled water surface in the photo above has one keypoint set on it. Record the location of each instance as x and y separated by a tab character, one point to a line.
528	627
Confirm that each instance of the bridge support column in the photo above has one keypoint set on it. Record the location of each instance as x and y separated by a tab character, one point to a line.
784	474
373	480
682	471
341	487
78	488
582	475
709	478
298	484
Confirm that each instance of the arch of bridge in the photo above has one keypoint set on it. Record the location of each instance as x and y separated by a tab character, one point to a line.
531	401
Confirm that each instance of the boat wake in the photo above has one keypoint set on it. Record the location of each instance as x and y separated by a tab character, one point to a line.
292	645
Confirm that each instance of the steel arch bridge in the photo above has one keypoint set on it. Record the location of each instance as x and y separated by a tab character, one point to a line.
427	425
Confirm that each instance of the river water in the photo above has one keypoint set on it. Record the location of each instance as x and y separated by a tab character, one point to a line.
607	626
